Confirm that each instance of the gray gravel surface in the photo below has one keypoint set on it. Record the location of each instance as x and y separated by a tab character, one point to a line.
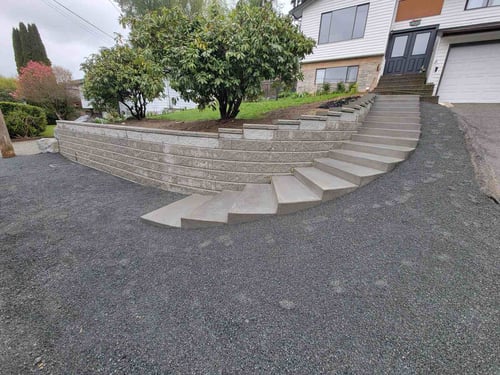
399	277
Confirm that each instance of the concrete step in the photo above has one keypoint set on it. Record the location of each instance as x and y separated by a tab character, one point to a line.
170	216
383	163
396	141
211	213
396	108
396	98
390	132
323	184
394	125
405	119
292	195
255	201
395	113
401	152
355	173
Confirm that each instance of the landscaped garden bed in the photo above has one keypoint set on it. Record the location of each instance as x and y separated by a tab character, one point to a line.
263	112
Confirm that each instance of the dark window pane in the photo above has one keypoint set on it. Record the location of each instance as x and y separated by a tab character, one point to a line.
342	24
334	75
360	24
352	74
421	42
472	4
324	30
399	47
320	76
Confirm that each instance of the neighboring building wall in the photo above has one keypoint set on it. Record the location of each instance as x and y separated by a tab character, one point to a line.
441	51
374	42
368	73
454	14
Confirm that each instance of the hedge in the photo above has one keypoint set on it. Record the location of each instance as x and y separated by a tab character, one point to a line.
23	120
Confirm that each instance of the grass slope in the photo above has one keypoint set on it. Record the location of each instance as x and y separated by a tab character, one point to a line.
248	110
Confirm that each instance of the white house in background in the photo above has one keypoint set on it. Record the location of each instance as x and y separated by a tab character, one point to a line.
455	42
171	100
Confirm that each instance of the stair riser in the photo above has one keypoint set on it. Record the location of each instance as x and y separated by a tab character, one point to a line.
386	167
233	218
396	98
196	224
390	133
389	113
386	125
376	150
384	141
288	208
392	108
405	119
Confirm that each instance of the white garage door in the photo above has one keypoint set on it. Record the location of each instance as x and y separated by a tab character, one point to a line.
471	74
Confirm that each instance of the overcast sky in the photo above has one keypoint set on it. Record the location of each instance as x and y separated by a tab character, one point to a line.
67	39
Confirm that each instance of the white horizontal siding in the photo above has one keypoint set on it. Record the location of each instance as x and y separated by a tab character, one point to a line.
442	47
380	16
454	14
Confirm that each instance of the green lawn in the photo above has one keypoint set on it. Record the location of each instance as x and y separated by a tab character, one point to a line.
248	110
49	131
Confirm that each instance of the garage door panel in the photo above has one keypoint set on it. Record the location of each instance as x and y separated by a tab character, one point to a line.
471	74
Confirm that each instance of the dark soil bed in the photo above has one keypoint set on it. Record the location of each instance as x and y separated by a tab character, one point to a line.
290	113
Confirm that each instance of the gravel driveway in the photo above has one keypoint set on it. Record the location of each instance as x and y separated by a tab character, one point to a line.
399	277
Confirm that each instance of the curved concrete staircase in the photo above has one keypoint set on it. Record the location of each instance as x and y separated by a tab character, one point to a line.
386	137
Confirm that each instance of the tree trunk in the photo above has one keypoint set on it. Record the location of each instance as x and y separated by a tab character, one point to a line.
5	143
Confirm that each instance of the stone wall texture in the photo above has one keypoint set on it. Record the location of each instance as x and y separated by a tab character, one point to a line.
190	162
368	73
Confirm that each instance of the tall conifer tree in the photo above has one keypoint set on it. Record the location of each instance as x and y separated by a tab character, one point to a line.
28	46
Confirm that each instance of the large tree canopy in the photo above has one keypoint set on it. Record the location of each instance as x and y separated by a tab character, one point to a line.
220	59
122	75
138	8
28	46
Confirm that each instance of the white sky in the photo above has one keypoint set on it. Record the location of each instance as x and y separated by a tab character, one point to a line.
67	39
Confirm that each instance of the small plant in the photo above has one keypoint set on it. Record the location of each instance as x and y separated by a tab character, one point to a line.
353	89
325	88
341	87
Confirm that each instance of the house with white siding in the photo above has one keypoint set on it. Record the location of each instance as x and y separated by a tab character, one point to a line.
454	44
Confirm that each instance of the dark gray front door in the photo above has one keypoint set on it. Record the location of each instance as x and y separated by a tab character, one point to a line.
409	52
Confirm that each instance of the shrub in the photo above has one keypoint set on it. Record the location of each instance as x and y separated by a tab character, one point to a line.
341	87
325	88
23	120
353	89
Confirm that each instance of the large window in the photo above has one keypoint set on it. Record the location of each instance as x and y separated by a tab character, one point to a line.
343	24
338	74
474	4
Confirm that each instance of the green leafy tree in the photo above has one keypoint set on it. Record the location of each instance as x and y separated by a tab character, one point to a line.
28	46
138	8
7	87
122	74
220	59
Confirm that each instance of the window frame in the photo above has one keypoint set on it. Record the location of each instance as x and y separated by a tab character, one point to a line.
353	24
333	67
488	2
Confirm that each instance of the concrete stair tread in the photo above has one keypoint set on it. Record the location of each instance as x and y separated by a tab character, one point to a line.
366	155
381	145
171	214
382	137
214	210
290	190
325	180
351	168
255	199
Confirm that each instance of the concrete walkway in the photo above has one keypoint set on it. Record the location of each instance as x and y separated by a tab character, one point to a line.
481	124
399	277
